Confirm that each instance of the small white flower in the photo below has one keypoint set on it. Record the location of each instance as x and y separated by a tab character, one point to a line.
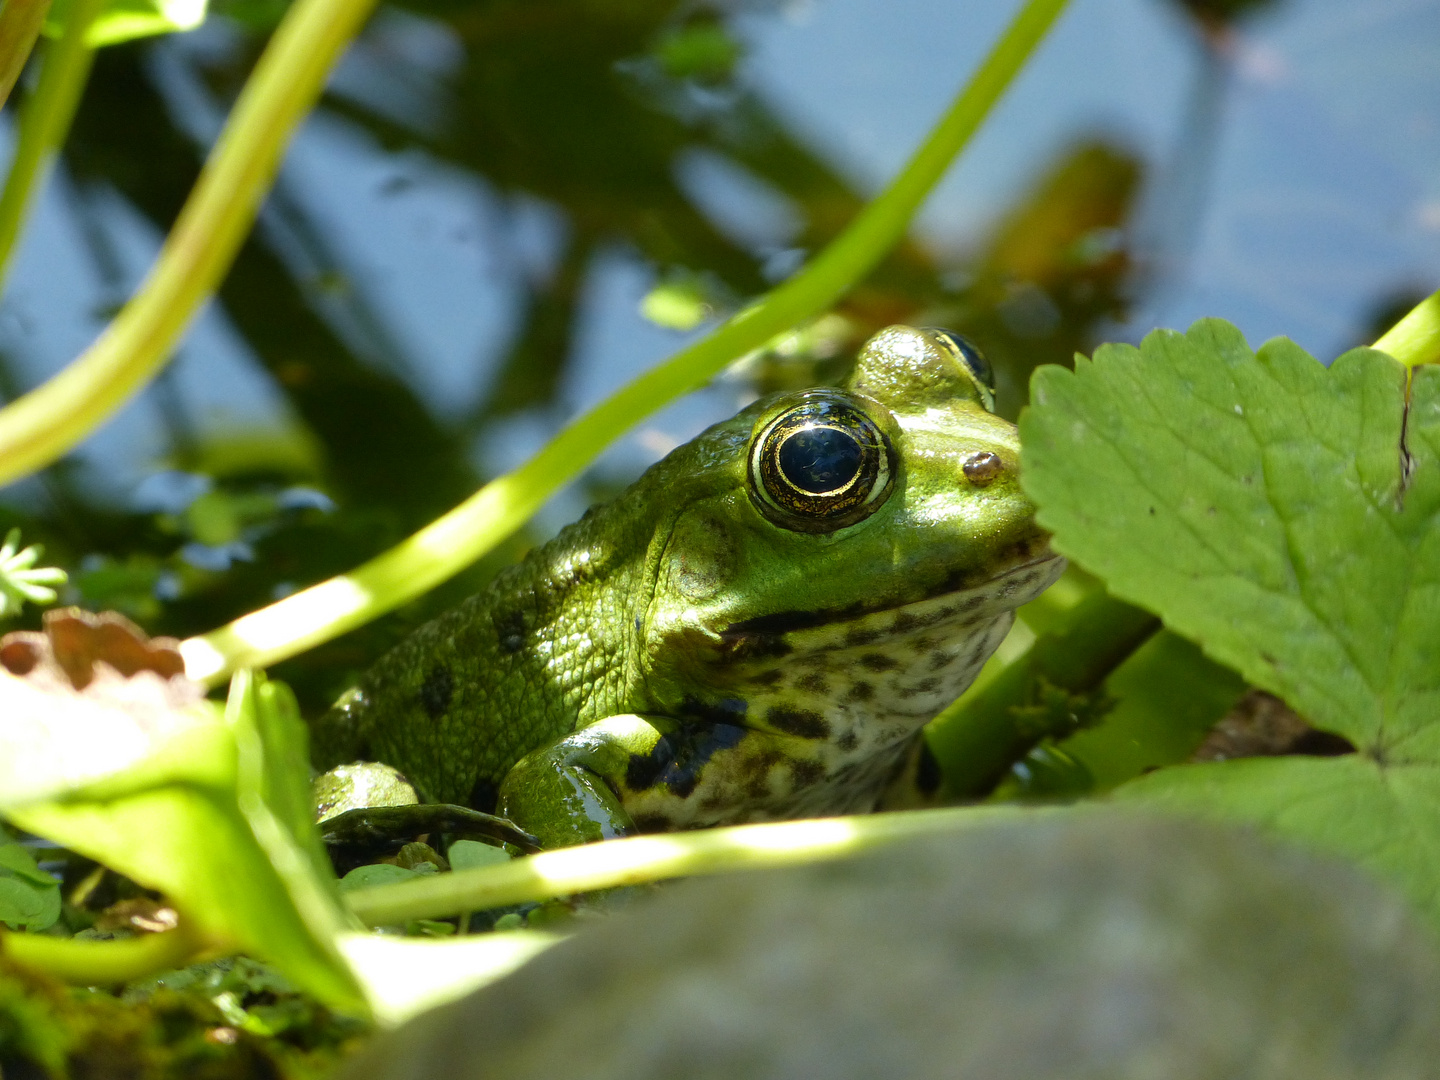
21	579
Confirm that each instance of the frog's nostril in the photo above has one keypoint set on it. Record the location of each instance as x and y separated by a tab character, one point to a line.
983	467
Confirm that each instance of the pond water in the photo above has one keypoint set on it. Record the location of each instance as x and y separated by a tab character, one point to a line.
505	209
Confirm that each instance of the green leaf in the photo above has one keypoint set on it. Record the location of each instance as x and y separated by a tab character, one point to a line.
201	808
702	50
467	854
1383	817
362	877
275	758
273	796
53	744
1255	503
29	897
17	862
1286	517
123	20
681	302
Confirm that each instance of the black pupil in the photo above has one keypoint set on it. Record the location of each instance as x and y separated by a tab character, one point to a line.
820	459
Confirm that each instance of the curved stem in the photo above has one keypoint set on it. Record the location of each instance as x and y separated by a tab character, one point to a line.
102	963
45	123
20	23
1415	339
454	541
48	421
639	859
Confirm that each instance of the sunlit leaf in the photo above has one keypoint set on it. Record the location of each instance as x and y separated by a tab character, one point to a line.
123	20
210	811
1286	517
1257	504
408	975
53	744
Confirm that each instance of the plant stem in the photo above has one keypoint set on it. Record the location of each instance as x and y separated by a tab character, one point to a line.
976	739
452	542
20	23
45	122
1415	339
101	963
48	421
640	859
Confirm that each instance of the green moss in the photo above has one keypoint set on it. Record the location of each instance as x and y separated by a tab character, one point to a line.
216	1021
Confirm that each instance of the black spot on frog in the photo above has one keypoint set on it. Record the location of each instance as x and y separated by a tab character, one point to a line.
678	757
510	630
814	683
801	723
806	773
861	691
436	691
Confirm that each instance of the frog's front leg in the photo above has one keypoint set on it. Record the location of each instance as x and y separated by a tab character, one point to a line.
573	790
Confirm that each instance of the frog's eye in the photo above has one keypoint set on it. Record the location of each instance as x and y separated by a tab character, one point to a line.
969	355
821	465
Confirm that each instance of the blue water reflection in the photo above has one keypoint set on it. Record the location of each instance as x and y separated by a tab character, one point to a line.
1323	195
1288	180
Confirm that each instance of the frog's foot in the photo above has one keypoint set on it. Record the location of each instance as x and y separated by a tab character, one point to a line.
360	783
359	835
570	792
639	774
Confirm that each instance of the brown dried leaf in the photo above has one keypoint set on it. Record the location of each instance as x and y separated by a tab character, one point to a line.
77	647
85	698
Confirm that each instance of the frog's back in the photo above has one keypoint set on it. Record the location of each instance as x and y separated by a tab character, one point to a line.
524	661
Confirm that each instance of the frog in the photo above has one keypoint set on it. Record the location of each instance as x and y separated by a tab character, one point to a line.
757	629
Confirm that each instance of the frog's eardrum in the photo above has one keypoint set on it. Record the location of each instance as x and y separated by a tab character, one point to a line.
1059	945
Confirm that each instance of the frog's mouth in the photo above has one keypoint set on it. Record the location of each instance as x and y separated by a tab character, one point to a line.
947	605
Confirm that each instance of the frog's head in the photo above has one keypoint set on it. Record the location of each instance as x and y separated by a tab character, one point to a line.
847	516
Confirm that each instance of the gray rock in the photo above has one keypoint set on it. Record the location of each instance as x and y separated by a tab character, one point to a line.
1086	945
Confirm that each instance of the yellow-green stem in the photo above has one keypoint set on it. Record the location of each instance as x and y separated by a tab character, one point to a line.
454	541
640	859
20	23
101	963
48	421
1415	339
45	123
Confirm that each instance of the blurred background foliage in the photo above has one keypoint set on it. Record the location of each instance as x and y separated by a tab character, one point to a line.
503	208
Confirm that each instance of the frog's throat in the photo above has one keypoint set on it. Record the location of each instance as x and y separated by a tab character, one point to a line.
947	611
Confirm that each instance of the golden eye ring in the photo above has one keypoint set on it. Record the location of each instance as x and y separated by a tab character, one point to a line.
821	465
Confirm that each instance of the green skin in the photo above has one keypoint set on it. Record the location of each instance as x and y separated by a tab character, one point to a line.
679	659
